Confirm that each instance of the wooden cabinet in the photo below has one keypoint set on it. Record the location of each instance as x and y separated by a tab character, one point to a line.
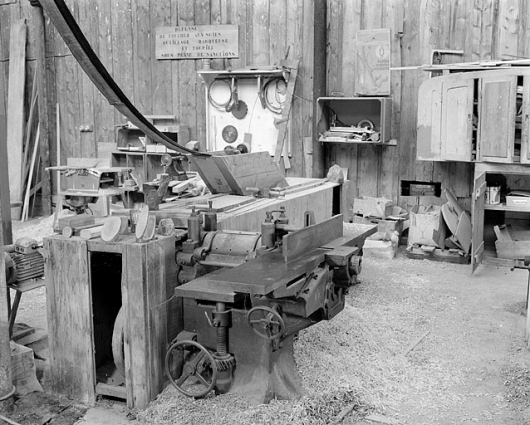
457	121
480	208
475	117
146	165
497	104
337	112
480	117
135	150
87	284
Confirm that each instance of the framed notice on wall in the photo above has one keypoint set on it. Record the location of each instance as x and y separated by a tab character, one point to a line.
372	76
197	42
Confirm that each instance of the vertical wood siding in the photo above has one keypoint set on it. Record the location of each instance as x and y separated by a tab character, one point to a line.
483	29
122	33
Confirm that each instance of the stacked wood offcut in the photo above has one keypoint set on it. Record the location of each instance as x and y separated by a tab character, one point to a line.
23	159
389	219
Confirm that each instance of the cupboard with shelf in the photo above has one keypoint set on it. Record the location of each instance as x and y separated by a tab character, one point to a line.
135	150
480	209
480	116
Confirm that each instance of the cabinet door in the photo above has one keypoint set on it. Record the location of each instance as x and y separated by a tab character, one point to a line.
497	118
525	122
477	246
429	147
457	120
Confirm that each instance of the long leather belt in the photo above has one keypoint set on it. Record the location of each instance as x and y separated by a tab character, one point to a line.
74	38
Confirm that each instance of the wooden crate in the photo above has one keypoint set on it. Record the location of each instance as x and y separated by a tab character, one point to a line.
148	278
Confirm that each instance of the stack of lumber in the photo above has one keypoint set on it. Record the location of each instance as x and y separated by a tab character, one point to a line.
23	141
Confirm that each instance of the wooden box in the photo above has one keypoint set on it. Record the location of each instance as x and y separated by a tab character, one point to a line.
518	199
87	284
368	206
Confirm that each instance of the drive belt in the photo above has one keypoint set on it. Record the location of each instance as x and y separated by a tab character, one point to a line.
74	38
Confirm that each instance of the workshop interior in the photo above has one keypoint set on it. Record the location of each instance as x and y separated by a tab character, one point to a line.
216	179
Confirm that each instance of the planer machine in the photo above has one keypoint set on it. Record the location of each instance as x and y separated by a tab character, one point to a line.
246	295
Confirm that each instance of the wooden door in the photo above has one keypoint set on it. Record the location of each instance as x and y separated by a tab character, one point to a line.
457	120
497	104
525	121
477	246
429	146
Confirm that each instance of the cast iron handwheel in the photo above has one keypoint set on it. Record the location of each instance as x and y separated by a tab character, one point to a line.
270	319
193	367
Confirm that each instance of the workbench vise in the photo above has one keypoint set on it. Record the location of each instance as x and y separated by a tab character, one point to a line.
239	322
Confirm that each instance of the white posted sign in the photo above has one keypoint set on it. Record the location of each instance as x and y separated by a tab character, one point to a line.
197	42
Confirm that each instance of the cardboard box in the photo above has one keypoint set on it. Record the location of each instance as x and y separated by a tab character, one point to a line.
368	206
518	199
427	227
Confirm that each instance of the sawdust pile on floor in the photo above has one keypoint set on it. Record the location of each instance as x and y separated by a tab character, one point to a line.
357	359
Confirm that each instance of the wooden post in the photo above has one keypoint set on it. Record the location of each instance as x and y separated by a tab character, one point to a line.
528	310
37	20
6	386
319	81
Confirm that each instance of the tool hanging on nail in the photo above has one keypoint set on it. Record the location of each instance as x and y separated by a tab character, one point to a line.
237	107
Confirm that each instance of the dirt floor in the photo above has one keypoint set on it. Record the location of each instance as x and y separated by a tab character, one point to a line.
419	342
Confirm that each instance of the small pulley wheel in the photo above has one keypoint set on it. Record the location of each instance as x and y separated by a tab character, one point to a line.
199	369
369	125
266	322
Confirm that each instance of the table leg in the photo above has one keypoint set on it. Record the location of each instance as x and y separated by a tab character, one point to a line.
13	314
8	294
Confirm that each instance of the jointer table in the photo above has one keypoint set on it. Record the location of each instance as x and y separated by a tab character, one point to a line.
265	368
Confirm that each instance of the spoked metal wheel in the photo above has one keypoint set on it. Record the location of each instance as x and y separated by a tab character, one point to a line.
266	322
198	374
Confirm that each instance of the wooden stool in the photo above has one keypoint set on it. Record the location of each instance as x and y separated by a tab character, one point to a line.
19	288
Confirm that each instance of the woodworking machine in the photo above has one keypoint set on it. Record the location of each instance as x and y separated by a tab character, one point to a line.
83	185
245	296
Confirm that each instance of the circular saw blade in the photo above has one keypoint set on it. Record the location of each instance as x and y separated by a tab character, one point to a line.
240	110
229	134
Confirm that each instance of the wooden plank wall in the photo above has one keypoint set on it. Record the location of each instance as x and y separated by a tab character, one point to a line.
122	34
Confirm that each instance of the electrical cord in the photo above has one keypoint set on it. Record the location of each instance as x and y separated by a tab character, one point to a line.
219	105
273	107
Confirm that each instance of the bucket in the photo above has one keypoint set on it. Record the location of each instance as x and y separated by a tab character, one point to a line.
493	195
